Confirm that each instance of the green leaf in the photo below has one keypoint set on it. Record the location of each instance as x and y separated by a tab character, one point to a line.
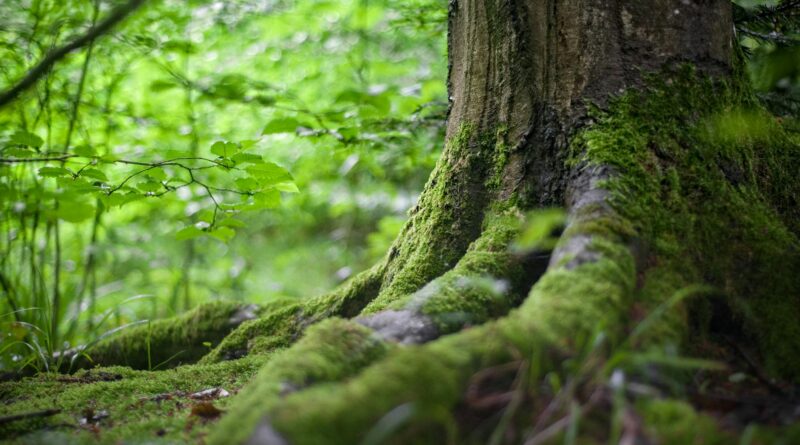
380	102
288	187
268	199
74	212
84	150
247	184
281	125
223	234
188	232
265	100
75	186
22	137
53	172
541	229
17	152
231	222
243	158
247	144
269	173
206	215
120	199
348	132
149	186
157	174
350	95
94	174
224	149
162	85
179	46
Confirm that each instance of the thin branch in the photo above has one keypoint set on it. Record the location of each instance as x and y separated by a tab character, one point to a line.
27	160
114	17
30	415
99	159
771	37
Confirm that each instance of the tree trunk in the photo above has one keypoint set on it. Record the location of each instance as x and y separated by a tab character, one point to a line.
682	224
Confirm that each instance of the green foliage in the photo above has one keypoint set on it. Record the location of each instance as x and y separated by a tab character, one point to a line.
541	229
769	33
234	150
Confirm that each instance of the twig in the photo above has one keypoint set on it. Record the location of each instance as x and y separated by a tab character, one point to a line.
30	160
114	17
771	37
30	415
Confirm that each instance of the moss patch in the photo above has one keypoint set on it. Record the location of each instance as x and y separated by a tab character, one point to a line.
487	281
677	423
710	198
165	343
281	326
329	351
431	379
446	220
120	403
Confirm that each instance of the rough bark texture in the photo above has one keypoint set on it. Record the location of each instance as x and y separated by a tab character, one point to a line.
612	109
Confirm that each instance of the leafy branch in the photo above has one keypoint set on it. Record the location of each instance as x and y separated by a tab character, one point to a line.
116	16
772	24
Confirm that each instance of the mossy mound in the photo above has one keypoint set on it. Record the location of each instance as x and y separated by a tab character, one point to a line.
114	404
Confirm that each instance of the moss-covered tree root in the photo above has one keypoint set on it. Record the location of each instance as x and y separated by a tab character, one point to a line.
658	222
283	322
564	304
163	343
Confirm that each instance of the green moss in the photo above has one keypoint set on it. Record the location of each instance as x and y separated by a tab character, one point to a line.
428	380
712	198
593	219
702	208
674	422
281	326
431	379
660	303
329	351
783	435
446	220
569	304
487	281
129	398
502	151
165	343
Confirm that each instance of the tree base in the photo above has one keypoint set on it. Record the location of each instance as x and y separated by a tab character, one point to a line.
683	229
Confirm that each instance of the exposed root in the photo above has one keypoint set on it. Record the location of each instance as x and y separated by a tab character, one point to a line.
567	303
405	327
486	283
281	326
329	351
162	343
